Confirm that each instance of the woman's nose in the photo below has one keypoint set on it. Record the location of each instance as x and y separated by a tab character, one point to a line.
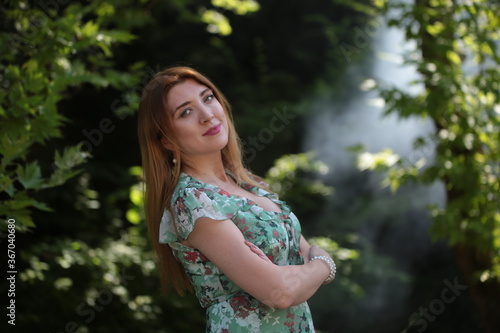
206	115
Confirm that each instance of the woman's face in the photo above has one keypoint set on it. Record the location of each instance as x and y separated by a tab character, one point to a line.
198	119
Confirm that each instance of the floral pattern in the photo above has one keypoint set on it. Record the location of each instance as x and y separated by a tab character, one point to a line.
277	234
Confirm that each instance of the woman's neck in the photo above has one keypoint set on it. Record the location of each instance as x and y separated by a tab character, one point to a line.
209	169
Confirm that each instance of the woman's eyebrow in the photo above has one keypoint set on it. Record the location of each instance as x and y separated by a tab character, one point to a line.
204	91
187	102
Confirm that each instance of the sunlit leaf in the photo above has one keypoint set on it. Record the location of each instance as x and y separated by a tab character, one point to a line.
240	7
89	29
133	216
435	29
136	196
454	57
217	22
30	175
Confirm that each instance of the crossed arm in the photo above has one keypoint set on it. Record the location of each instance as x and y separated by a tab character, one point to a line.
276	286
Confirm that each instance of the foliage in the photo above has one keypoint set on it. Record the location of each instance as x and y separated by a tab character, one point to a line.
458	64
458	59
50	53
217	22
294	177
37	70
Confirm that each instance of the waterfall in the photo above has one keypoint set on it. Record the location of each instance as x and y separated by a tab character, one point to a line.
393	226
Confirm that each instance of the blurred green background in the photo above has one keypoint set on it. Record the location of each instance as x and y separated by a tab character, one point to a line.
378	122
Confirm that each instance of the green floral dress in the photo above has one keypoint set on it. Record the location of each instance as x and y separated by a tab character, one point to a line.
230	308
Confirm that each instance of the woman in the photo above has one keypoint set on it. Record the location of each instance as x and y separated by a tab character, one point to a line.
214	226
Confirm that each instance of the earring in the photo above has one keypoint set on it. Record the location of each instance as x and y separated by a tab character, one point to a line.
174	160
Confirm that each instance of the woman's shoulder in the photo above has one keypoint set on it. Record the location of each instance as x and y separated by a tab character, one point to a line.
189	186
191	200
193	192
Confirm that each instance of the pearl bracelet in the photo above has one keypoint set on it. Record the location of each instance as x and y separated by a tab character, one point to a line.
331	263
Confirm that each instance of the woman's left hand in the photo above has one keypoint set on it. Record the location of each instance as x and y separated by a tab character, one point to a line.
256	250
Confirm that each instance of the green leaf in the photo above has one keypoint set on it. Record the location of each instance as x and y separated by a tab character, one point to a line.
6	184
45	127
65	164
89	29
435	29
71	157
217	23
41	205
23	219
454	57
133	216
107	51
135	171
59	177
136	195
120	35
13	146
356	148
240	7
105	9
18	209
30	176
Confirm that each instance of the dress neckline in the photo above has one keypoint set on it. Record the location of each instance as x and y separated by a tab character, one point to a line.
251	188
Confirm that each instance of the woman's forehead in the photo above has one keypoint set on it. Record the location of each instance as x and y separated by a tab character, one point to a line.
185	91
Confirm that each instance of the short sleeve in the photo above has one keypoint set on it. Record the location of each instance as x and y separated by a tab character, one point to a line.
189	205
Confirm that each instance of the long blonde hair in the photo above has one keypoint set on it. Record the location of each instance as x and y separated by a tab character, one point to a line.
161	175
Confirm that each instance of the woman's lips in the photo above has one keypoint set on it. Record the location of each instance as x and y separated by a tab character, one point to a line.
213	130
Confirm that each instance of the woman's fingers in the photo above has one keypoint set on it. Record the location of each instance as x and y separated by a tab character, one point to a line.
256	250
317	251
314	251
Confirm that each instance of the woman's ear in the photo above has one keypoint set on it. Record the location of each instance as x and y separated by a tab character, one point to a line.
166	143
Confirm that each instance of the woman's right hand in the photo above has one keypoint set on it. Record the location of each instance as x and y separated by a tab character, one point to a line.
256	250
315	251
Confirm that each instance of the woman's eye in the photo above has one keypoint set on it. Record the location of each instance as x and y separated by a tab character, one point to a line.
185	113
208	98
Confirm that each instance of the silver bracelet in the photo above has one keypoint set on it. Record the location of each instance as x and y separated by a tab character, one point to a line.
331	263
